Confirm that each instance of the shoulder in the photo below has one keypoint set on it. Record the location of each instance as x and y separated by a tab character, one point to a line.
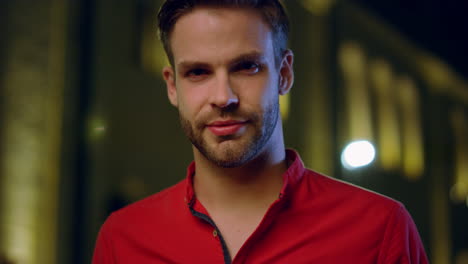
375	218
151	207
343	202
341	194
139	222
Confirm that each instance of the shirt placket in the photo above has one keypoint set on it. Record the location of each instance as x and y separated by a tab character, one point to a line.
216	233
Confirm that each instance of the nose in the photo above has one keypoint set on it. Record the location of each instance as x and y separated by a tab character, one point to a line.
223	94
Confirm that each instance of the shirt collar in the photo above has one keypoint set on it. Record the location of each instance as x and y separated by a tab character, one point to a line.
291	176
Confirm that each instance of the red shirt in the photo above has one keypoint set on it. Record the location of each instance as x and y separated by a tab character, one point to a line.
316	219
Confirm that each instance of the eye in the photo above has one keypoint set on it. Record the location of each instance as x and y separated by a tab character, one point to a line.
248	67
196	74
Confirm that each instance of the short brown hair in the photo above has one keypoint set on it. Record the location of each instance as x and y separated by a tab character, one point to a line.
272	12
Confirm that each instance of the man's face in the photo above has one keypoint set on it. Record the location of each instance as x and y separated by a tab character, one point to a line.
225	83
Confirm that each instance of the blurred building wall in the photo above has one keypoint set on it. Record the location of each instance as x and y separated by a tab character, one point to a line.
32	84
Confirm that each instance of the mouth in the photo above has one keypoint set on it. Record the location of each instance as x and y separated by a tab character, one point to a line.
227	127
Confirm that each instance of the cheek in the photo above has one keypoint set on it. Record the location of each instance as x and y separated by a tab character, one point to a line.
191	100
262	91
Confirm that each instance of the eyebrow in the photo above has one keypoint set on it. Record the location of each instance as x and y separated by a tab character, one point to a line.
250	56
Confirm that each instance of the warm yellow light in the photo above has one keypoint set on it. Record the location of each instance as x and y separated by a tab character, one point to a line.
382	80
352	59
96	128
318	7
436	71
153	57
353	62
411	134
284	106
459	191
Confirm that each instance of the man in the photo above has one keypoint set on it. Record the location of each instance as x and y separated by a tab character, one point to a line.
246	199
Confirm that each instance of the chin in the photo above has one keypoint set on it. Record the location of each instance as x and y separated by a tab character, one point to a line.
230	154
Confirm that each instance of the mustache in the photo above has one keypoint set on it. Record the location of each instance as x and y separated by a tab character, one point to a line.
221	113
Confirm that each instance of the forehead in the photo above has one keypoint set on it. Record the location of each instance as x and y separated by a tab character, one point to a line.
213	34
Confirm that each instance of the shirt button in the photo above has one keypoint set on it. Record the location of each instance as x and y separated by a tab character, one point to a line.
215	233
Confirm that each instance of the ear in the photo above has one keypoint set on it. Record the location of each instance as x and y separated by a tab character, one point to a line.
286	72
169	78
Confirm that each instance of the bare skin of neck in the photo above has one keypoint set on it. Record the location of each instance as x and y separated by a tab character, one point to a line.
238	198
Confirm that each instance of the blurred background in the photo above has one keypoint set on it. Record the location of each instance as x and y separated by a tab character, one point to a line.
380	100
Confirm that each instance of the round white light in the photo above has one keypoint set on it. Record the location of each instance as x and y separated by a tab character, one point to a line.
357	154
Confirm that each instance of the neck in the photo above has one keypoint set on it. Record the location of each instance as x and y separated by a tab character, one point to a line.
252	186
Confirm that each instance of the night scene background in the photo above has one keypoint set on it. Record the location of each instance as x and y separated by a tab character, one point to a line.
86	127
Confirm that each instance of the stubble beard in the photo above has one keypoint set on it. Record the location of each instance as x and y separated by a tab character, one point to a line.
233	152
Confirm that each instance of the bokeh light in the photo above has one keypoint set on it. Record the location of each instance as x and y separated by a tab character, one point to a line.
358	154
